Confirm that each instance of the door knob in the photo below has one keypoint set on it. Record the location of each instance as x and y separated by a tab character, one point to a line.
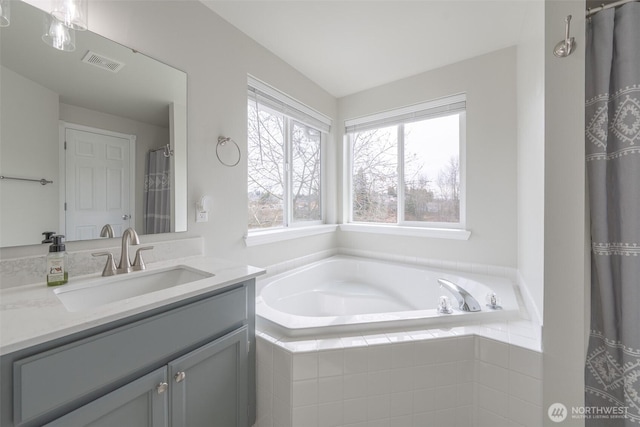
180	376
162	387
125	217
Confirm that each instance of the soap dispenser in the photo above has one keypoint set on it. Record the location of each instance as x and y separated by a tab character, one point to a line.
57	262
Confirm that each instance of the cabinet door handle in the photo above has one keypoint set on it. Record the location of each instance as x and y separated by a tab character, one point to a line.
180	376
162	387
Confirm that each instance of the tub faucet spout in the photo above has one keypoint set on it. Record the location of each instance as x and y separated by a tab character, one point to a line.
465	301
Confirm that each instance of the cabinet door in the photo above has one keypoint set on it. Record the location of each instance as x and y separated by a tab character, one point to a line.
209	386
143	402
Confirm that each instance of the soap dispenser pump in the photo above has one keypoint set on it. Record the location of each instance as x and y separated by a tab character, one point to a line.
57	262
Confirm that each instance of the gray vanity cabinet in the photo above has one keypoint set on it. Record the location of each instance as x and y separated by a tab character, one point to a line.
209	385
138	403
189	364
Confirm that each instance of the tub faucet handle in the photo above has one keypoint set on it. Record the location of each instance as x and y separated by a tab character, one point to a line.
493	302
444	305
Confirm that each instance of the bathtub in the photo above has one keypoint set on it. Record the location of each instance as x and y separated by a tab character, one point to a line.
343	294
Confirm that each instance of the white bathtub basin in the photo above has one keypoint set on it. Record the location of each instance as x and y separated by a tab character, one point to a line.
343	295
97	292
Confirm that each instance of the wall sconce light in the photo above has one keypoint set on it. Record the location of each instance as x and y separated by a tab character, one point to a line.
57	35
72	13
5	13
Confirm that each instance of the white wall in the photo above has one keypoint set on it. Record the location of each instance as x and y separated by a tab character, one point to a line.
566	265
530	158
217	58
490	84
29	124
147	137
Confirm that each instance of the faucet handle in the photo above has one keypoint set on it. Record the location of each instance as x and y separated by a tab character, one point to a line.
110	266
138	262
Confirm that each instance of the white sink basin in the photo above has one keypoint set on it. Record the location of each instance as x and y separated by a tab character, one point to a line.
101	291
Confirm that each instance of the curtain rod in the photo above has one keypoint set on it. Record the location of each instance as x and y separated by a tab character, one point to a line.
595	10
168	152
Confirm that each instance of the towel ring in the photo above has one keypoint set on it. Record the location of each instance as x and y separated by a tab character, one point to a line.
222	141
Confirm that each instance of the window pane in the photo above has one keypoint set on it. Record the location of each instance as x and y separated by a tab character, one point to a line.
305	172
265	167
432	170
375	175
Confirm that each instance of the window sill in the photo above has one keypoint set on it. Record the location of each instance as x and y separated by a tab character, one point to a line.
271	236
398	230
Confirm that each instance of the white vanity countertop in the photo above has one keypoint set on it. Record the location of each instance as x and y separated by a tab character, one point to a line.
33	314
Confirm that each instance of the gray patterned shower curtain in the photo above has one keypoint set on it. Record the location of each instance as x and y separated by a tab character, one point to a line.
157	193
612	374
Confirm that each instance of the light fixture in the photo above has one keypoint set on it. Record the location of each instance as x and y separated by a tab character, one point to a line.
5	13
57	35
72	13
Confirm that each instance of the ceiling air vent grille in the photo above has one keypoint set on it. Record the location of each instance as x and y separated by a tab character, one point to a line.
103	62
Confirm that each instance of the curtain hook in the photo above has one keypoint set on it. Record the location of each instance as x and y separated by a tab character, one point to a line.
565	47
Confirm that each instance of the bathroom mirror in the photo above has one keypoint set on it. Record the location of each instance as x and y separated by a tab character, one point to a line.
122	117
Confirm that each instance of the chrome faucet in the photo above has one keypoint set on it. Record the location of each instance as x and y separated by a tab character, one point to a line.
465	301
107	231
128	237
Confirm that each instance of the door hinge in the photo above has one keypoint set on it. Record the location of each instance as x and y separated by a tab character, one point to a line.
248	346
65	206
65	145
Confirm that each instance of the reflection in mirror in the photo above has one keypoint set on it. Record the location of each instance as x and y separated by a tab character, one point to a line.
104	123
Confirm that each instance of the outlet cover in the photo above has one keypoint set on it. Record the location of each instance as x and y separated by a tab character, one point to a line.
202	216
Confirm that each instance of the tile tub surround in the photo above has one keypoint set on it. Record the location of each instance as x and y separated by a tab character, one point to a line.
32	268
466	377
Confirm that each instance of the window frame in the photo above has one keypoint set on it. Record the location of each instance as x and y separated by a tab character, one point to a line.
403	116
291	111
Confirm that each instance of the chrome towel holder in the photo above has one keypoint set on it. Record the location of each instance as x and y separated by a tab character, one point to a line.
42	181
222	142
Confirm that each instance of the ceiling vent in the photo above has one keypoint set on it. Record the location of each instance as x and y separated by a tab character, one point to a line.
103	62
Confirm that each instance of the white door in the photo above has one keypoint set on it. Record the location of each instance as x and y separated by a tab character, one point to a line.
98	183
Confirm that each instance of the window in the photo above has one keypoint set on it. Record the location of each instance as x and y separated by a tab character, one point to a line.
407	165
284	155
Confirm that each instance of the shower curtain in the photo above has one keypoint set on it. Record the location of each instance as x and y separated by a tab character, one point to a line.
157	193
612	373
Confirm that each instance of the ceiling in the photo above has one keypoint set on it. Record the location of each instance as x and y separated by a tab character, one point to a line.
346	46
